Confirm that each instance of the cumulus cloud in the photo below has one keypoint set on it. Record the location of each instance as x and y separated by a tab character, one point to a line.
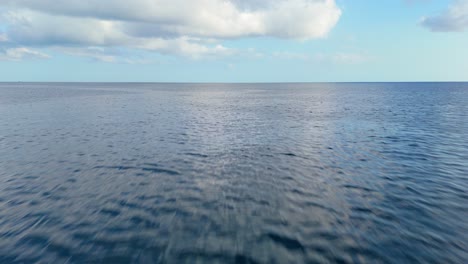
453	19
190	28
34	28
304	19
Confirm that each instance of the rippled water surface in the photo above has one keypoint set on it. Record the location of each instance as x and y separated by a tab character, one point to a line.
252	173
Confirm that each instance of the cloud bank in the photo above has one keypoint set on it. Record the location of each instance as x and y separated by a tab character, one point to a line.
453	19
192	28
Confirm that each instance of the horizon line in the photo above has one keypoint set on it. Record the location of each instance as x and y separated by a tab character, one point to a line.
197	82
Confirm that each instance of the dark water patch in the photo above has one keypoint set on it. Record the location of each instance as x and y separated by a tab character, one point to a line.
359	188
289	154
362	210
150	167
31	177
151	164
210	257
117	167
110	212
286	242
196	155
163	171
144	222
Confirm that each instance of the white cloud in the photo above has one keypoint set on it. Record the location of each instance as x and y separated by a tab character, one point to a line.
453	19
302	19
16	54
193	28
34	28
184	46
95	53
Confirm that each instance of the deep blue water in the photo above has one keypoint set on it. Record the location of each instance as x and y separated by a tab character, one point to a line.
225	173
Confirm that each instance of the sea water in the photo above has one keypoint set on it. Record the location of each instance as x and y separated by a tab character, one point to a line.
233	173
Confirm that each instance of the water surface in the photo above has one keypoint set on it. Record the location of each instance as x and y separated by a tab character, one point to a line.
231	173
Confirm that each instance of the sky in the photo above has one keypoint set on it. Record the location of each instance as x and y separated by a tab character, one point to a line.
233	40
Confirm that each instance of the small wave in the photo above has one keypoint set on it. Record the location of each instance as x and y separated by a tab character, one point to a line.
150	167
286	242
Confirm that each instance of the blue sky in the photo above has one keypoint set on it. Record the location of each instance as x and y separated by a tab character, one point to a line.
234	40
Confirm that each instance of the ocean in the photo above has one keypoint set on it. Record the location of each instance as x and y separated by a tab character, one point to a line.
233	173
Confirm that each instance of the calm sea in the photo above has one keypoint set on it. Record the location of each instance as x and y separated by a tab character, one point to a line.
234	173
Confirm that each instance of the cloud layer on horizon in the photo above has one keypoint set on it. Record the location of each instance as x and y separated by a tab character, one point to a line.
194	28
